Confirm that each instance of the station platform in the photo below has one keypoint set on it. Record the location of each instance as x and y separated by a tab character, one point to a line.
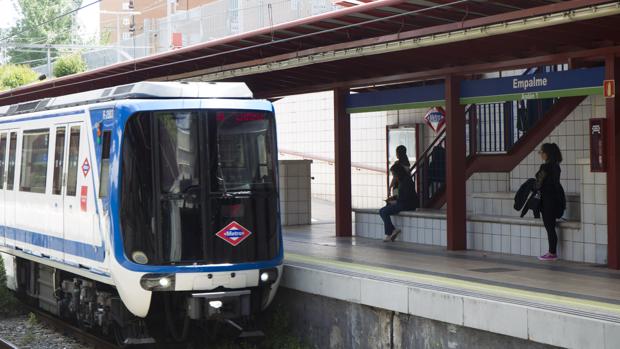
563	304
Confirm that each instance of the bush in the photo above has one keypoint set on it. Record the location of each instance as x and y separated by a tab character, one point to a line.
8	304
68	65
12	76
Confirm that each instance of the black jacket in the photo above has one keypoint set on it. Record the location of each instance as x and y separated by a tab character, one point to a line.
527	199
552	193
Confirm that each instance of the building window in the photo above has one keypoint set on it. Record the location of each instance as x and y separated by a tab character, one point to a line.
34	160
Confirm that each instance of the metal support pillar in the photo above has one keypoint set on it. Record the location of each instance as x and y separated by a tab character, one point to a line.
455	166
612	72
342	152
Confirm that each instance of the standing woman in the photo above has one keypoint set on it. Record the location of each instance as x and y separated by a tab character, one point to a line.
551	194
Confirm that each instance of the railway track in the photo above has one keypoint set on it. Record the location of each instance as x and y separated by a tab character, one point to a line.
65	329
4	344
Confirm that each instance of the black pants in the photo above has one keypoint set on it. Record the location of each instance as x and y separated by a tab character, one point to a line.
548	216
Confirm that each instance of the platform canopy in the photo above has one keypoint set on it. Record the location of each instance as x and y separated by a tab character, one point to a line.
380	42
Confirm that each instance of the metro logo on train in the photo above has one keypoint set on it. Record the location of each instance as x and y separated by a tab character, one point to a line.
234	233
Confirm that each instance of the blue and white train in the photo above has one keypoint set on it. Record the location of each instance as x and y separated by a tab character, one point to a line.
144	208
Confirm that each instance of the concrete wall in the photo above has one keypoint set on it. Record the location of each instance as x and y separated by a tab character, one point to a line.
330	323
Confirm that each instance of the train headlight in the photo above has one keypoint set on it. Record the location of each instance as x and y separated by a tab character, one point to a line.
158	282
268	276
216	304
164	282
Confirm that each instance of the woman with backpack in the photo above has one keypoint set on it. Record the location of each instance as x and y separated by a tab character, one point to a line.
552	200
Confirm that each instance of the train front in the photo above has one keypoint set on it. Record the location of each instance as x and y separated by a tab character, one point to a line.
198	212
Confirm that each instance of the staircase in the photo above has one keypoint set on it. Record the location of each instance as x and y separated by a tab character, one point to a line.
498	137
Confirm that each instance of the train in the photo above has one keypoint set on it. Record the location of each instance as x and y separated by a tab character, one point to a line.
145	211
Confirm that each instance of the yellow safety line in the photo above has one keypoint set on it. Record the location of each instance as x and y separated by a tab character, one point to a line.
463	284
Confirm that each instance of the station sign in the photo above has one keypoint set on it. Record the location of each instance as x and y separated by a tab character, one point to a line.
435	118
234	233
569	83
575	82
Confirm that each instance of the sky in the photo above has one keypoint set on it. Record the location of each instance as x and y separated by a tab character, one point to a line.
88	18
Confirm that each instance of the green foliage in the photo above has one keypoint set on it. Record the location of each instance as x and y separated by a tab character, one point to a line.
8	304
70	64
278	335
30	324
12	76
39	24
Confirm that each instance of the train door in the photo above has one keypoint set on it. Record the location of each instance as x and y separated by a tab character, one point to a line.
72	203
3	155
9	188
59	143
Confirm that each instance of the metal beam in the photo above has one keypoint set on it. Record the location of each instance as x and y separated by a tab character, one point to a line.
432	36
455	166
557	58
342	152
612	105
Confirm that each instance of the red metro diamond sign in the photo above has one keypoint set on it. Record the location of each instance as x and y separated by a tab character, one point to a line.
234	233
435	118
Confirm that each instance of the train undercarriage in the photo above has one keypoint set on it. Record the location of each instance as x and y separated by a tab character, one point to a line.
174	317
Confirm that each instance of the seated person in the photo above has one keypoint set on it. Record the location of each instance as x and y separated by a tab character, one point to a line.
403	160
407	200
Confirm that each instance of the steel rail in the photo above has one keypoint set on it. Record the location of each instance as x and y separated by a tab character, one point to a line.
4	344
67	329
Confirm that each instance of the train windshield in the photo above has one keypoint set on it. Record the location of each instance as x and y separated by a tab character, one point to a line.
186	175
244	160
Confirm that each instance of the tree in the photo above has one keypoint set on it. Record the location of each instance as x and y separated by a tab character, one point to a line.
41	21
12	76
70	64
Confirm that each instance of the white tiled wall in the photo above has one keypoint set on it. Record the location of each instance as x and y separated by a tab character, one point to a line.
572	138
306	125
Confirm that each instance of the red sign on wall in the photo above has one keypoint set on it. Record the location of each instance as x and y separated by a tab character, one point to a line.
609	88
84	198
598	145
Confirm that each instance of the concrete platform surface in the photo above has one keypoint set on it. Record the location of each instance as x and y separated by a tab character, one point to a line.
557	303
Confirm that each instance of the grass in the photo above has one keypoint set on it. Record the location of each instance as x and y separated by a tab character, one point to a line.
278	335
30	324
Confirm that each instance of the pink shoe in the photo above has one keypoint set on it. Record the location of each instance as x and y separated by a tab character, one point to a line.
548	257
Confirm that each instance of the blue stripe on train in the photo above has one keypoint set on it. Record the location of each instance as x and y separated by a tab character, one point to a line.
74	248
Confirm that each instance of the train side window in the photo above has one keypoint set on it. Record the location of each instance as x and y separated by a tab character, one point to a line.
74	153
104	175
34	160
10	173
59	159
2	158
